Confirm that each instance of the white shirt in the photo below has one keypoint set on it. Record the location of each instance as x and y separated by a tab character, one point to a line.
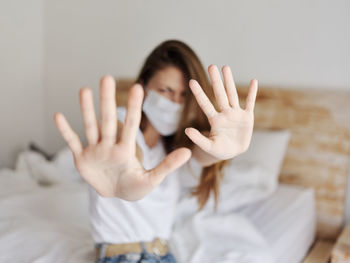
114	220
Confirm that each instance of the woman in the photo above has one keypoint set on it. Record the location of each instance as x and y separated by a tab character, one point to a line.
131	164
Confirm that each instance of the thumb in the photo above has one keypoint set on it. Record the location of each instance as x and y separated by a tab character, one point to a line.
169	164
197	138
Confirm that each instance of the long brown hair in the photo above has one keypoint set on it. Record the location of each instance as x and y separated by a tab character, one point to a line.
178	54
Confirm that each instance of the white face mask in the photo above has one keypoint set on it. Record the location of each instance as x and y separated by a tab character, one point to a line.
162	113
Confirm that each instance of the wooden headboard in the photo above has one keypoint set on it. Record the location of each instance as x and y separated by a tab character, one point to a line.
318	154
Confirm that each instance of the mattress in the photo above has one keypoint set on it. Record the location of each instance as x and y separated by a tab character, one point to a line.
287	220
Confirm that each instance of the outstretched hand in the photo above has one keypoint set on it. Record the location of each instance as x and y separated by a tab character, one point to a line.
231	126
110	166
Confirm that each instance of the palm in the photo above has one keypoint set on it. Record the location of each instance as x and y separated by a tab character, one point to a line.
230	129
231	126
100	167
109	164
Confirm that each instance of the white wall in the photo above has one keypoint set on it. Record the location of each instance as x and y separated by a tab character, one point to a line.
21	83
290	43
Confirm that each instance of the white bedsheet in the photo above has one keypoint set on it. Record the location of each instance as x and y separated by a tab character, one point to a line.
50	224
287	220
42	225
278	229
205	237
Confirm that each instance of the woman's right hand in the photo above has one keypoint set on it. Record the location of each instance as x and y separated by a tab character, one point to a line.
110	166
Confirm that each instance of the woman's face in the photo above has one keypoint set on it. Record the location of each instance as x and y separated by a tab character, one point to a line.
170	83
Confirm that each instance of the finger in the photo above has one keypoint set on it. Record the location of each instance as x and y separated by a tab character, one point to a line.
218	87
133	115
202	99
169	164
68	134
196	137
89	115
230	87
108	110
253	89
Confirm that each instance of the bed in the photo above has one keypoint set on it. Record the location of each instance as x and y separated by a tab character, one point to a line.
50	223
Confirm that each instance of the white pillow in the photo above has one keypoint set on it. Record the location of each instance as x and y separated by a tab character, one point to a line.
267	148
253	175
249	177
60	170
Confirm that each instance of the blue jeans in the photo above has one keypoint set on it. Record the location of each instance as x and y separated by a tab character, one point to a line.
143	257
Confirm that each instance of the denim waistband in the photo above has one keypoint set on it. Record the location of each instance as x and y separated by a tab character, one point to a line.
103	249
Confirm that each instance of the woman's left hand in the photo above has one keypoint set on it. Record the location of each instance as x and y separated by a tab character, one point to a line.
231	127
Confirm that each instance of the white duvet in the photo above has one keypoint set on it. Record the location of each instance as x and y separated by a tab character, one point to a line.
51	224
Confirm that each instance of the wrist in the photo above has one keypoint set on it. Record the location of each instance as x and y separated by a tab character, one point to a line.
203	158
